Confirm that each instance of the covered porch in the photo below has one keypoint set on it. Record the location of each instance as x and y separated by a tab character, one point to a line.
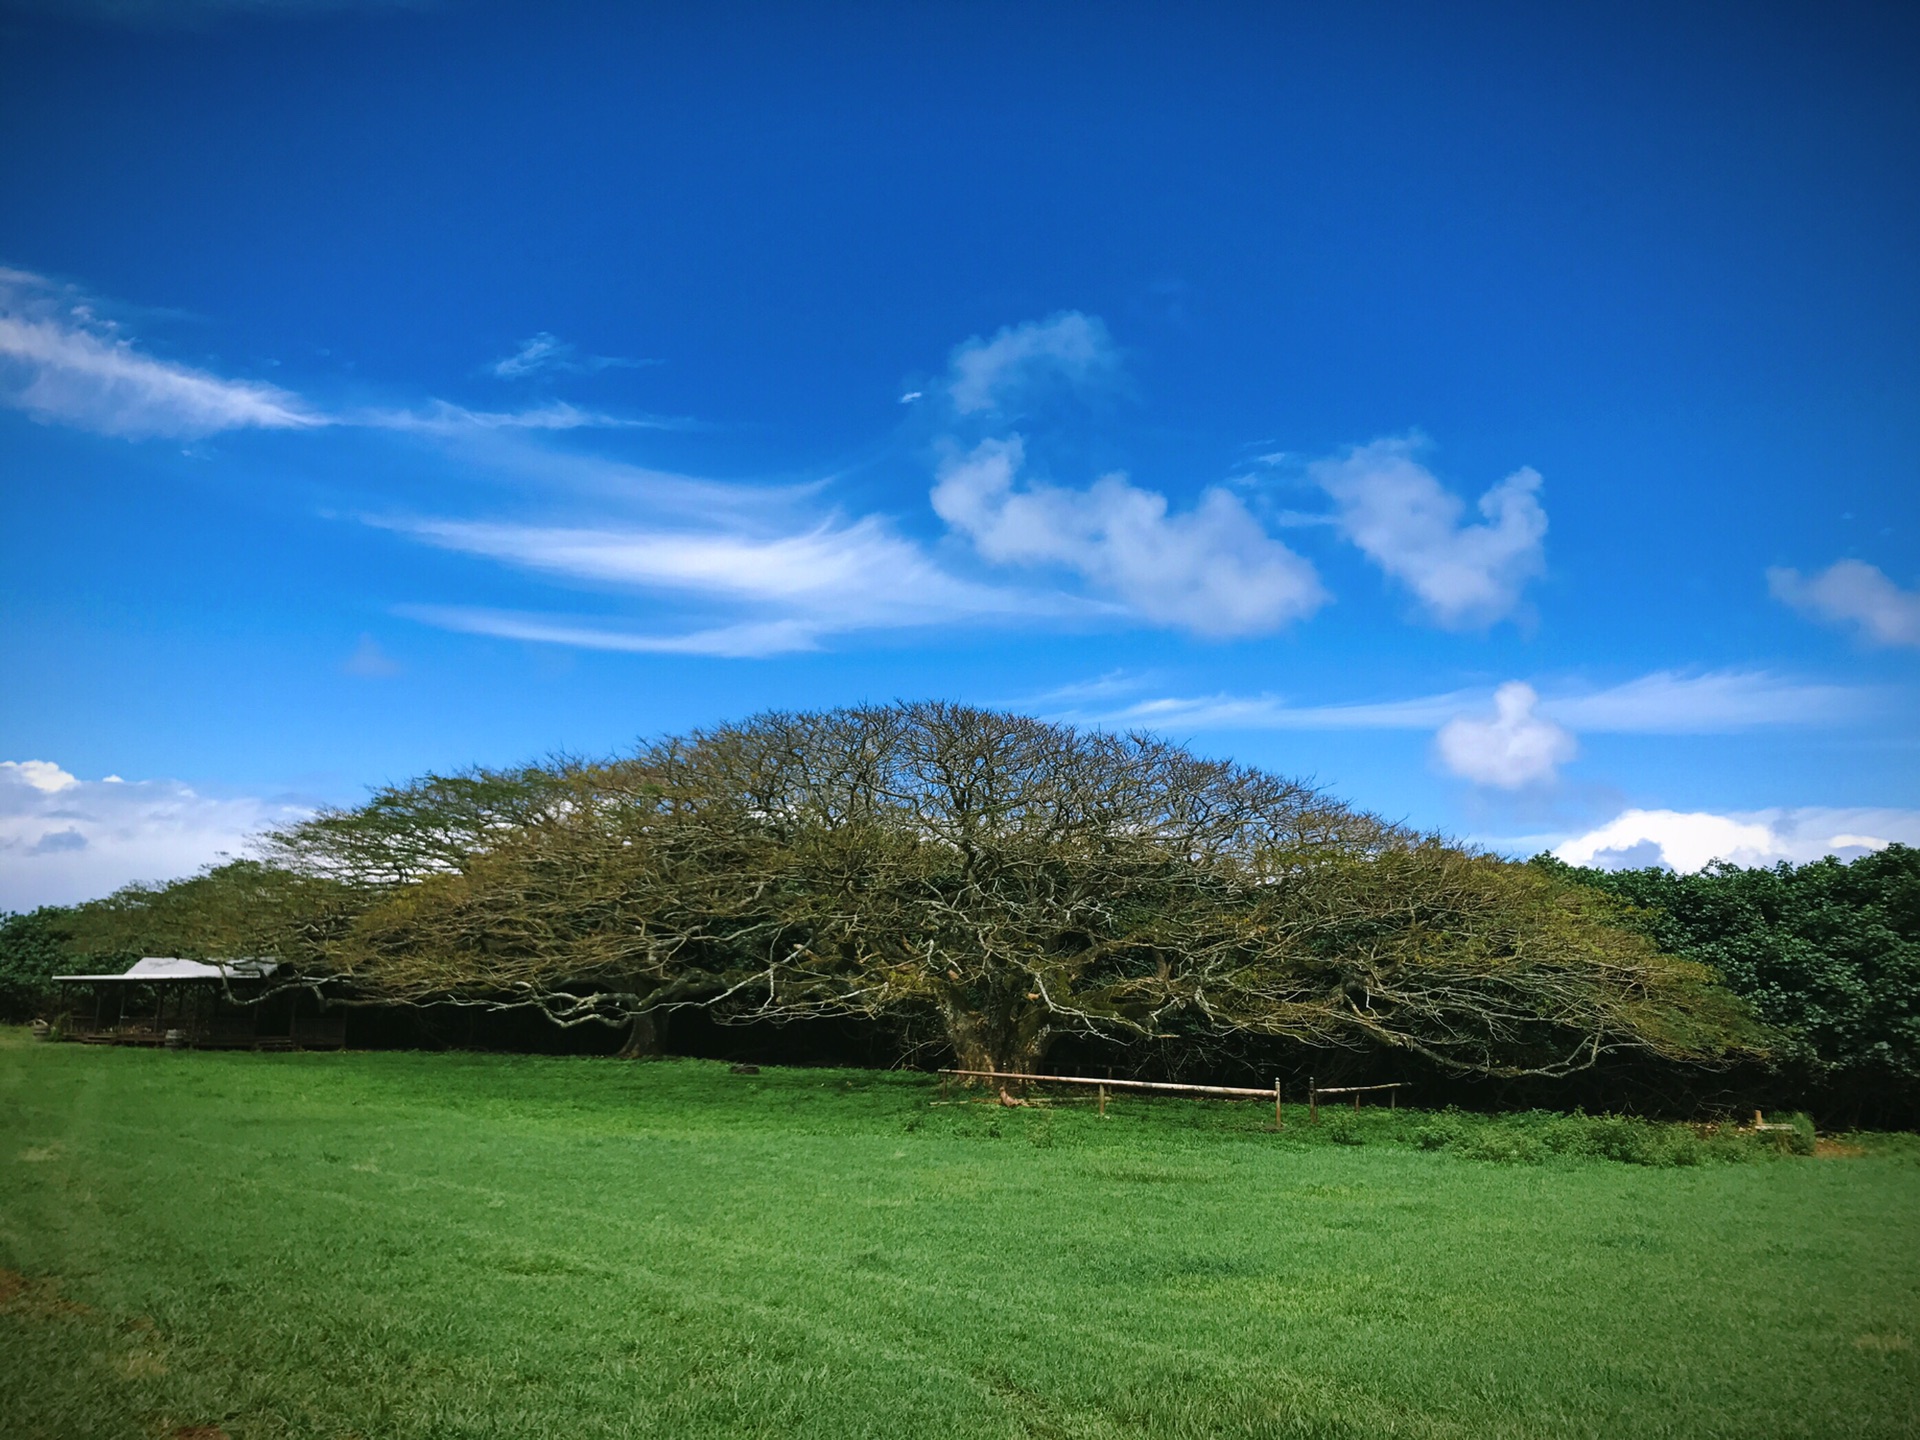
196	1004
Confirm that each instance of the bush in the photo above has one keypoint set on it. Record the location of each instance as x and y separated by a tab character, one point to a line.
32	950
1802	1139
1532	1137
1343	1128
1828	953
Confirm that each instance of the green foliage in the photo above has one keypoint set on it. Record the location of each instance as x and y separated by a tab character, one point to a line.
316	1246
1000	882
1343	1127
1534	1137
435	825
1828	953
1483	966
33	947
989	879
242	909
1802	1139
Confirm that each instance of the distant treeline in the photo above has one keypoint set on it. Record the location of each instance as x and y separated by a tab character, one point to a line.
943	883
1826	954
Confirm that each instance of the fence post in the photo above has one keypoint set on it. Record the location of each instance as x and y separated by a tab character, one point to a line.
1103	1102
1313	1102
1278	1122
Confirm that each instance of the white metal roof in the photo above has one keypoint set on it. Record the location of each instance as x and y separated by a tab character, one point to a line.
164	967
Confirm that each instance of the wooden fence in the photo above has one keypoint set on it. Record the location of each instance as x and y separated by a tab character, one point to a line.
1314	1092
1234	1092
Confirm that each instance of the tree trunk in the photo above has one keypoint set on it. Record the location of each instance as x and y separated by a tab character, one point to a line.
643	1038
1008	1039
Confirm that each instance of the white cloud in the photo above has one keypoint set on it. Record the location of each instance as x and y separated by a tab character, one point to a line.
795	587
749	640
63	839
1852	592
1070	345
370	662
548	353
1212	570
1719	702
1688	840
43	775
1663	703
852	571
541	351
1272	712
60	362
1408	524
440	417
1513	747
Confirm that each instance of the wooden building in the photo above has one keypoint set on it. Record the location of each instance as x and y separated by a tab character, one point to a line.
197	1004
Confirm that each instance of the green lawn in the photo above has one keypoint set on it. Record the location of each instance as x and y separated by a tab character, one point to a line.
398	1245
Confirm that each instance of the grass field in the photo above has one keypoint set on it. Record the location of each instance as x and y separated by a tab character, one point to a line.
401	1245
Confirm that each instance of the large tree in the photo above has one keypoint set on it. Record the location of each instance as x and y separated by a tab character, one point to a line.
1008	881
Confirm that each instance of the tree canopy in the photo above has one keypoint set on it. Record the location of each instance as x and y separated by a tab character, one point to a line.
1002	881
989	881
1828	953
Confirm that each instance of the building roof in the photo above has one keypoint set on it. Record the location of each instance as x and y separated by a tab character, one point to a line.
164	967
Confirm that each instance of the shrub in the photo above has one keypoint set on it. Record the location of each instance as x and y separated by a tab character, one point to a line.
1343	1128
1533	1137
32	950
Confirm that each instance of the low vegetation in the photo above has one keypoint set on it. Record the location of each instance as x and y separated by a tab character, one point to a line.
409	1245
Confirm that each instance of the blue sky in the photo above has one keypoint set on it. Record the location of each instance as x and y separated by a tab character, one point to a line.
1506	415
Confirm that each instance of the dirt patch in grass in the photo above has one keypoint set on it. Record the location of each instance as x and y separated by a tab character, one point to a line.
1837	1150
1884	1344
25	1295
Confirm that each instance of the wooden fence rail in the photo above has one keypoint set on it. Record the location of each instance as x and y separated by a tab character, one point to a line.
1237	1092
1314	1092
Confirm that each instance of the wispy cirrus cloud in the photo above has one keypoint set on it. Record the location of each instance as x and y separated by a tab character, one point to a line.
1852	593
1717	702
785	583
748	640
779	591
1665	702
547	354
63	361
442	418
1120	552
1403	519
60	360
859	571
1516	735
